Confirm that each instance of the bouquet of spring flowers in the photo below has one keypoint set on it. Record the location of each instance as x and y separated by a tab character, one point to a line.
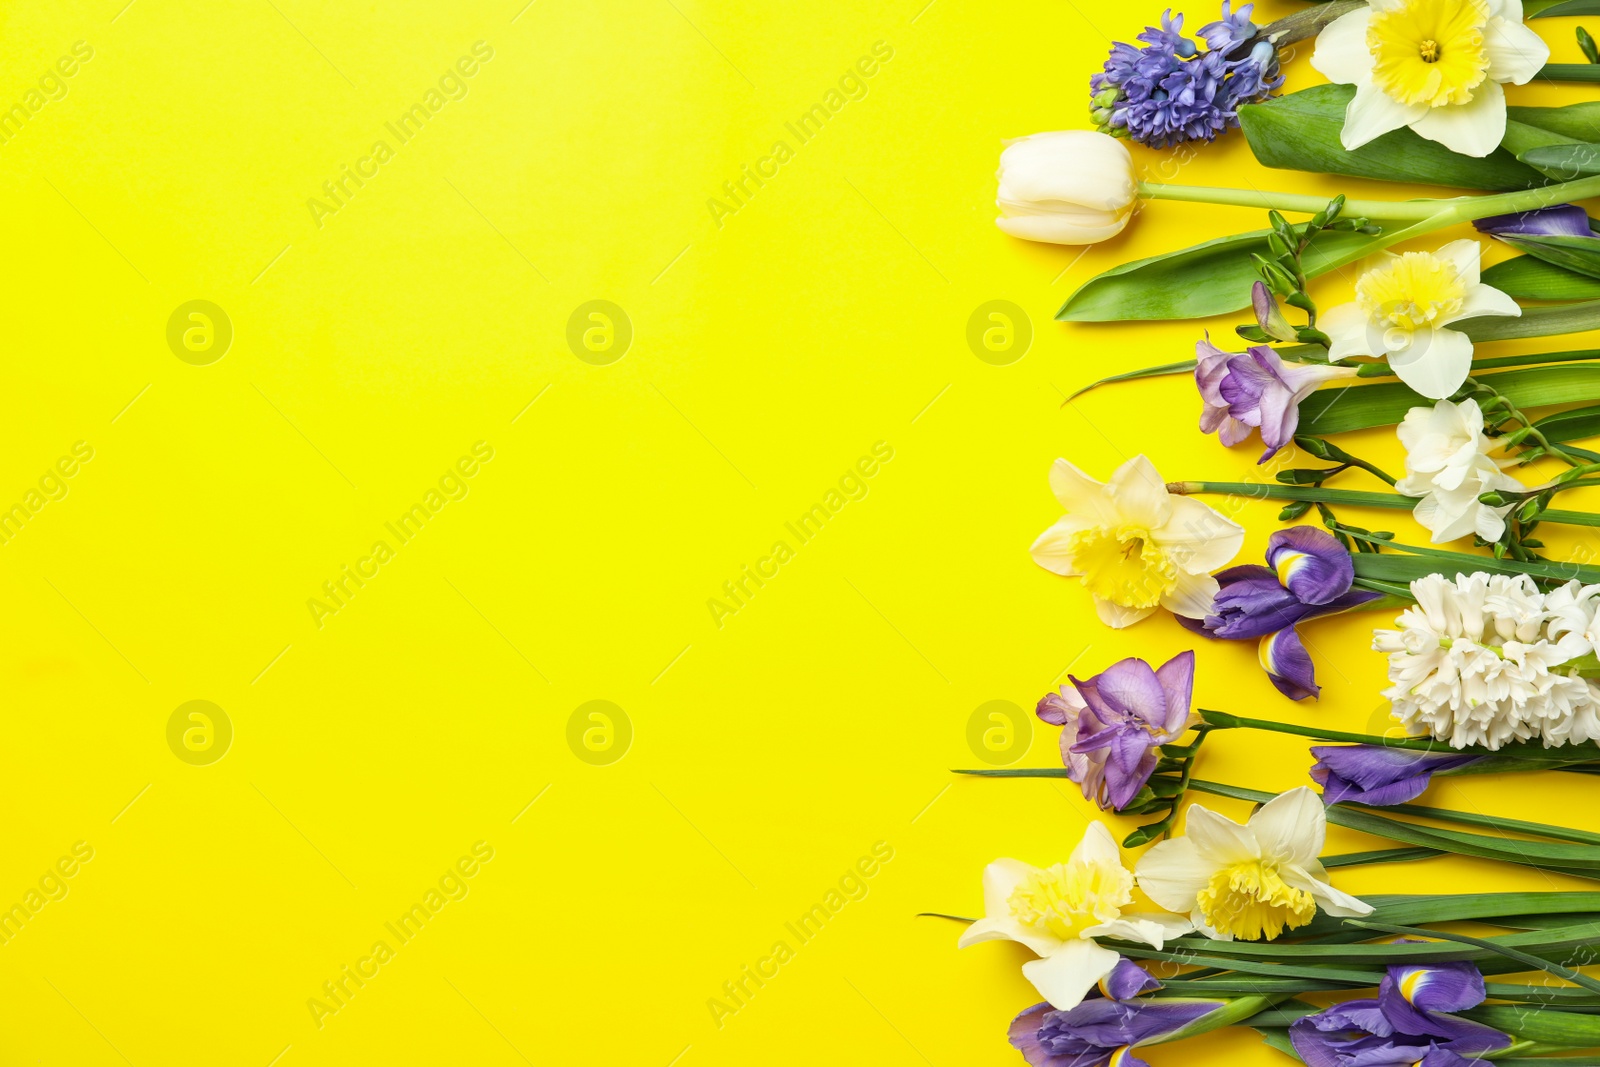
1491	640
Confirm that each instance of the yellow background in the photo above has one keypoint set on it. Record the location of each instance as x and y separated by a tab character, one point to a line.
430	312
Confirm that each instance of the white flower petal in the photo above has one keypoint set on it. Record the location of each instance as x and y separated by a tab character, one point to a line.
1341	54
1130	929
1172	874
1219	840
1000	880
1081	495
1486	300
1096	848
1515	52
1065	976
1197	536
1472	129
1052	549
1059	229
1118	617
1192	596
1139	494
1346	325
1003	928
1335	902
1291	827
1464	256
1437	362
1373	113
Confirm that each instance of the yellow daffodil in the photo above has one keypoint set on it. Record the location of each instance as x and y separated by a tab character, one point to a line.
1251	881
1058	911
1433	65
1134	545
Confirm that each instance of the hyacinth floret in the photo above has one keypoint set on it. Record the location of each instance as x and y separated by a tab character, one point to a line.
1169	91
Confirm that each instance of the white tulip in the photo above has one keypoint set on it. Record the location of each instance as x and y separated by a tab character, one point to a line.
1071	187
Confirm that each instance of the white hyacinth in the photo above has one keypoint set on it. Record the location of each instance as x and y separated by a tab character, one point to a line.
1487	659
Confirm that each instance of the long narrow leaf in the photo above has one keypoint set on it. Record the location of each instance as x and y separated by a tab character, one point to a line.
1530	278
1361	407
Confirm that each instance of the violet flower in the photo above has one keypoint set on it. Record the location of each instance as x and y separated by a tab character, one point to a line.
1168	91
1379	776
1114	723
1255	390
1095	1031
1563	220
1407	1023
1309	574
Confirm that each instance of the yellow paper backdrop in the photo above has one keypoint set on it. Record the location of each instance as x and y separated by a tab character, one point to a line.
413	339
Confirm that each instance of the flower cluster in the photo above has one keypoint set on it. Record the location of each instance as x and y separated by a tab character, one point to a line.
1448	467
1168	91
1489	659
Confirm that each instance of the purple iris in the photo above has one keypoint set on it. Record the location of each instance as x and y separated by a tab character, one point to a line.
1379	776
1308	574
1114	723
1254	390
1094	1032
1406	1024
1564	220
1169	91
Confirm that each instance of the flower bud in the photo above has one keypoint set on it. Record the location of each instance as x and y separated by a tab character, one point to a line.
1071	187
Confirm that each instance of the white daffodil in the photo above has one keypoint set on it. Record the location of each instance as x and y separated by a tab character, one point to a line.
1402	309
1434	65
1134	545
1071	187
1448	467
1058	911
1249	881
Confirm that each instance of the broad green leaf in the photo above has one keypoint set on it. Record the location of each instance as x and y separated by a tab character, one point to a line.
1566	161
1567	1028
1578	254
1531	278
1549	9
1300	131
1581	122
1534	322
1571	425
1359	407
1211	278
1569	72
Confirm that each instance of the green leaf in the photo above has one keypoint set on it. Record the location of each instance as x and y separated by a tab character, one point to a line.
1569	72
1531	278
1300	131
1183	366
1210	278
1578	254
1574	1029
1568	161
1360	407
1581	122
1398	567
1573	425
1549	9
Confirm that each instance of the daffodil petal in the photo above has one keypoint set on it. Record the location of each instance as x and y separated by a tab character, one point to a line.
1197	536
1052	549
1464	255
1139	494
1291	827
1335	902
1515	52
1172	874
1373	113
1436	363
1341	54
1191	596
1346	325
1221	842
1472	129
1065	976
1096	848
1000	880
1118	617
1486	300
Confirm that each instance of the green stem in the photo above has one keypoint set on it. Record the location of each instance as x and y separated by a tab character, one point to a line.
1349	497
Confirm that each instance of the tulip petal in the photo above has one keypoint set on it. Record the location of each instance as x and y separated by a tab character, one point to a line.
1065	976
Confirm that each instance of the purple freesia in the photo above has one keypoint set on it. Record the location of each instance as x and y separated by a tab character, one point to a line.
1309	575
1095	1031
1379	776
1408	1022
1114	723
1563	220
1255	390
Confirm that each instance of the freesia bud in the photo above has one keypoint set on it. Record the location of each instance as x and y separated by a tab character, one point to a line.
1071	187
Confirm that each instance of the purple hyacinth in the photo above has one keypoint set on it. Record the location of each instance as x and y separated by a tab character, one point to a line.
1380	776
1408	1023
1114	723
1168	91
1255	390
1308	574
1090	1034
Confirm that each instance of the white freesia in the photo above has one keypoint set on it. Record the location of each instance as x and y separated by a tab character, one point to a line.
1135	545
1249	881
1071	187
1058	911
1434	65
1487	659
1401	311
1448	467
